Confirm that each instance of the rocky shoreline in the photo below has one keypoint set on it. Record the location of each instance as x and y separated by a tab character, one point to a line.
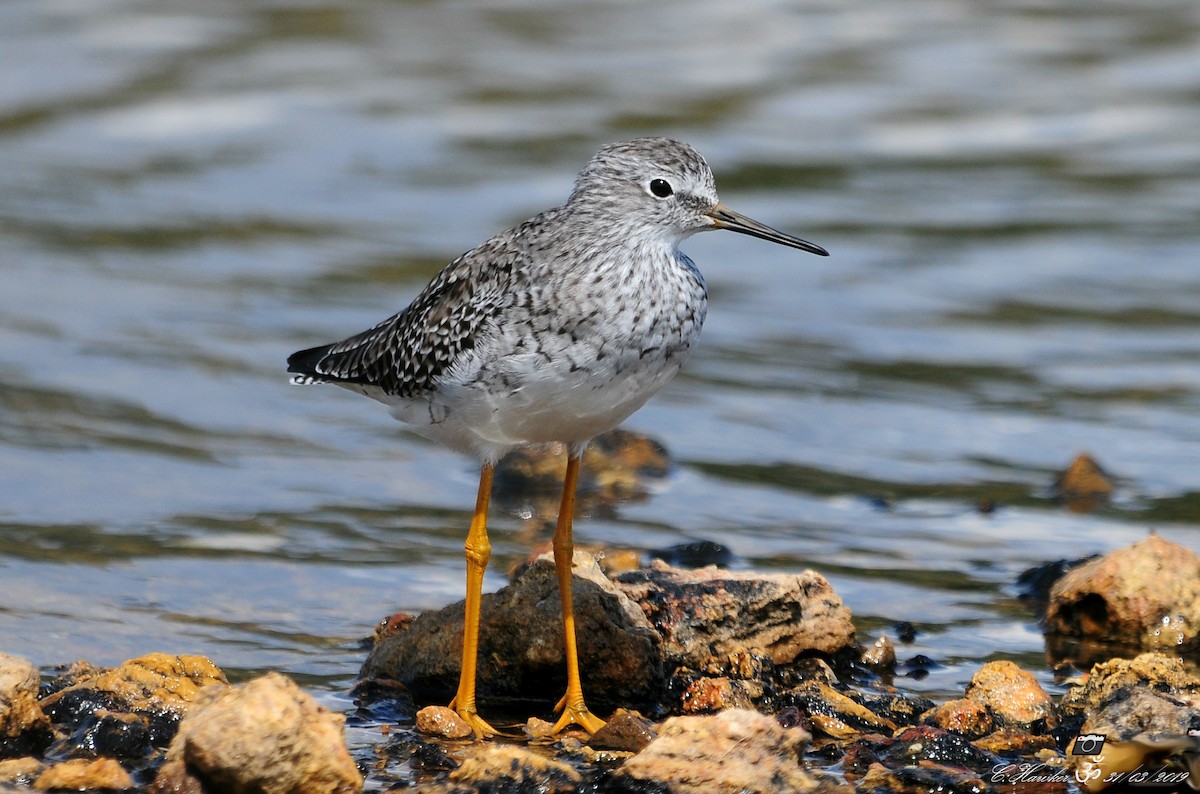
729	682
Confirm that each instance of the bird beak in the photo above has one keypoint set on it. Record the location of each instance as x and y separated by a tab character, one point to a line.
725	218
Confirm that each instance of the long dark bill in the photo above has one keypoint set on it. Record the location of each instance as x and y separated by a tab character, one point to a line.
725	218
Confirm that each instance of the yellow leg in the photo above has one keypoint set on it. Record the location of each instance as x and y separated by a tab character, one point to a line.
574	712
478	550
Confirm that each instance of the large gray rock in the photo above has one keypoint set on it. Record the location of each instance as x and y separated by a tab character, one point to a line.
521	652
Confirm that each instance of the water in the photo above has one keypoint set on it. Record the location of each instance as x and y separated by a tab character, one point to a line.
190	192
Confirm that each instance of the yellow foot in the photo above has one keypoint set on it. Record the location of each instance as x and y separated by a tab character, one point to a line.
576	714
478	726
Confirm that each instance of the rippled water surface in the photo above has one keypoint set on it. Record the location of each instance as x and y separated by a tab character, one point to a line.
189	192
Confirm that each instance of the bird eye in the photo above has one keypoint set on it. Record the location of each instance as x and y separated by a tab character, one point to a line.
661	188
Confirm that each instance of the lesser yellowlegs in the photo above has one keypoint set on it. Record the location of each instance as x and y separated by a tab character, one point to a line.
555	330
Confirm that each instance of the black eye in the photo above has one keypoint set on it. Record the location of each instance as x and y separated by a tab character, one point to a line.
660	188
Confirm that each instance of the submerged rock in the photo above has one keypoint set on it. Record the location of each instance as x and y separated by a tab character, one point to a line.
732	752
263	737
1146	595
1084	485
505	767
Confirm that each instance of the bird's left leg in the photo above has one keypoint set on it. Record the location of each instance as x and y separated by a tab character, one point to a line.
574	712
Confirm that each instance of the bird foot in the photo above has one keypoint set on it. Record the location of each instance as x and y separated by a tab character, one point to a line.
576	714
478	725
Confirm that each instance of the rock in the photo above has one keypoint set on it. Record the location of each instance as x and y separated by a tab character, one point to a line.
626	731
1012	742
710	612
521	649
152	683
1013	696
442	721
919	779
732	752
80	774
24	728
1084	486
506	767
881	654
717	693
1141	710
834	713
1146	595
913	747
1114	679
265	736
967	717
116	734
21	771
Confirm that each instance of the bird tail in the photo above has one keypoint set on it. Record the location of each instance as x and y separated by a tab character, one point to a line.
304	364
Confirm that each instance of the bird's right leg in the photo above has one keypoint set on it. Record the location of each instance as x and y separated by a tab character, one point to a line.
478	550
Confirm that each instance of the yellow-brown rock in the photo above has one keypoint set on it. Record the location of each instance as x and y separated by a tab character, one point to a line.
1013	696
80	774
263	737
154	682
1084	486
1146	595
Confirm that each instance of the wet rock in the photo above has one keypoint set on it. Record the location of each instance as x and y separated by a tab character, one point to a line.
1135	704
24	728
711	612
1147	595
912	747
20	771
521	649
1013	742
920	779
1034	584
1013	696
881	654
265	736
83	775
906	632
151	683
1109	681
967	717
506	767
833	713
717	693
893	706
734	751
442	721
1083	486
115	734
626	731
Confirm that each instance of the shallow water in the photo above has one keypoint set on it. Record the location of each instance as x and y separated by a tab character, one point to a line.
190	192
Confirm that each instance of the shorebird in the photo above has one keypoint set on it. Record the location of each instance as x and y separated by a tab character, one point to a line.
553	331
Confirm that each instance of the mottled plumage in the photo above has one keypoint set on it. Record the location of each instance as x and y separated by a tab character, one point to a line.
555	330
